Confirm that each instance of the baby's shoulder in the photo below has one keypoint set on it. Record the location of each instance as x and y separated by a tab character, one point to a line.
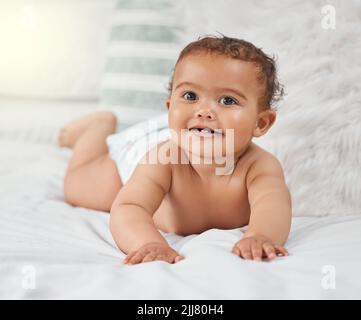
263	162
158	154
257	153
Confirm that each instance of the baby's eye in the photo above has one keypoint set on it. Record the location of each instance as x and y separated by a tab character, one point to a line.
189	95
228	101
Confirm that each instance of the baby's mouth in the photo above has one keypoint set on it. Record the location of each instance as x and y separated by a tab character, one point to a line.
205	132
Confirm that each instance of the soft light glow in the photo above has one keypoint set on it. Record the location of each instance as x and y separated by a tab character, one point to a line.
28	17
51	48
31	35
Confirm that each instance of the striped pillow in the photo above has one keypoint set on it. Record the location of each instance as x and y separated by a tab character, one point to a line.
144	45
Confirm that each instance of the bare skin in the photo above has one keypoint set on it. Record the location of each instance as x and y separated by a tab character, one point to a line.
91	180
189	198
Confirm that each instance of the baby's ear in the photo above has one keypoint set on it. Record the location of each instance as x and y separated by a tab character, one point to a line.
167	103
265	121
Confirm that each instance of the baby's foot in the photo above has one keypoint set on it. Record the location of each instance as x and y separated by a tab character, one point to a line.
70	133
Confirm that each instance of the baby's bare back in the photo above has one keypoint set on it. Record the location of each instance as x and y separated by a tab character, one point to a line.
194	204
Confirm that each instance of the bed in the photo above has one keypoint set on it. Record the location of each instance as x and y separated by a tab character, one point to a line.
51	250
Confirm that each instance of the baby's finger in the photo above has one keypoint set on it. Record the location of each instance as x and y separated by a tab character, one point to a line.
269	250
257	251
178	258
246	252
165	257
282	250
149	257
129	256
137	258
236	250
162	257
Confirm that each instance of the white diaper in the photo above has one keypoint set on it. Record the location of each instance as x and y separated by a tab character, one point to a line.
128	146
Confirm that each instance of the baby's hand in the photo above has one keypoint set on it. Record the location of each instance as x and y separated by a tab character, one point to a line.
153	251
257	247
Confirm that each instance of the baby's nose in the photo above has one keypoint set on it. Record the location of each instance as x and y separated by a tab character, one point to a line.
205	113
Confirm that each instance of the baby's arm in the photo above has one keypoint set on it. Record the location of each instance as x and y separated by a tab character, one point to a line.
131	220
270	204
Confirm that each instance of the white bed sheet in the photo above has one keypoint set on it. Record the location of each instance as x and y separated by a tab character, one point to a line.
71	254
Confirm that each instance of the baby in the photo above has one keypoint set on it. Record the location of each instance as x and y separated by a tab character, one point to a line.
222	89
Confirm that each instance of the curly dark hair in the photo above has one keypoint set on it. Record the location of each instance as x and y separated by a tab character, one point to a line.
273	90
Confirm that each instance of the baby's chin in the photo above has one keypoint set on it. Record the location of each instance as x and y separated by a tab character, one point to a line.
205	154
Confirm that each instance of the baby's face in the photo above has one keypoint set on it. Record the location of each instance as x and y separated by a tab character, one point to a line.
216	92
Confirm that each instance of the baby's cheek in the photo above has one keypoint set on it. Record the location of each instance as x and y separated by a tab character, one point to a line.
240	137
175	109
175	118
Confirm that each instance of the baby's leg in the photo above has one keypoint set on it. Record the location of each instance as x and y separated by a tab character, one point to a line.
92	180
